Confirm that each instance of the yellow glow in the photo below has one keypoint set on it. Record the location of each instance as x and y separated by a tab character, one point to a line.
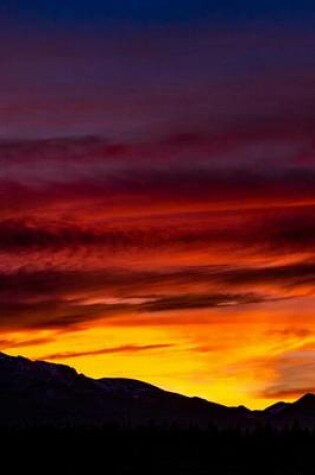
225	354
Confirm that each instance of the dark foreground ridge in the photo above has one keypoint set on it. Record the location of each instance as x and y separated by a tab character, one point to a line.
54	420
37	393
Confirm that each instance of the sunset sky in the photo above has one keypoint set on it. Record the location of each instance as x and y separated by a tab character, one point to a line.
157	185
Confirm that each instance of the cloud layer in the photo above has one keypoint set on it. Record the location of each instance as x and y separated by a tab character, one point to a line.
158	192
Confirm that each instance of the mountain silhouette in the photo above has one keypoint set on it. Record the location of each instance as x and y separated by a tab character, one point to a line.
38	393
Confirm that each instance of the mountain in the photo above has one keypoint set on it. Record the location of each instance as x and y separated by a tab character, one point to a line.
39	393
36	393
300	413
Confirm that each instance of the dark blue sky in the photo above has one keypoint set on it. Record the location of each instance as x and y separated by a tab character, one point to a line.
84	11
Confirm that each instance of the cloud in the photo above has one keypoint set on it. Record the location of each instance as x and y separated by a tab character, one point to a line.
195	301
8	343
295	275
108	81
291	230
68	299
254	161
299	333
104	351
291	393
294	372
282	230
58	314
129	282
66	313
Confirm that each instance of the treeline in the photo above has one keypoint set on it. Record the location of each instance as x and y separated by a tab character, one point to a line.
121	451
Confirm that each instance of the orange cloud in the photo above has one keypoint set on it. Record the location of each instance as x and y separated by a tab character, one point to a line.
104	351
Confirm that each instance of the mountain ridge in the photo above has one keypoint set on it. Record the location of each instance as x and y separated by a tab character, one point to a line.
36	393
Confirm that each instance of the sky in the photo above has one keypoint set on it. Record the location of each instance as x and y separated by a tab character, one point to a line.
157	172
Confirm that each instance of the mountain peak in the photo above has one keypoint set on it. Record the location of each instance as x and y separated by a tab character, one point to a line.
277	408
308	398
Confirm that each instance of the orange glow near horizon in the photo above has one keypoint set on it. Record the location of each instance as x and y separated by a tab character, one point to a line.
218	306
232	355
